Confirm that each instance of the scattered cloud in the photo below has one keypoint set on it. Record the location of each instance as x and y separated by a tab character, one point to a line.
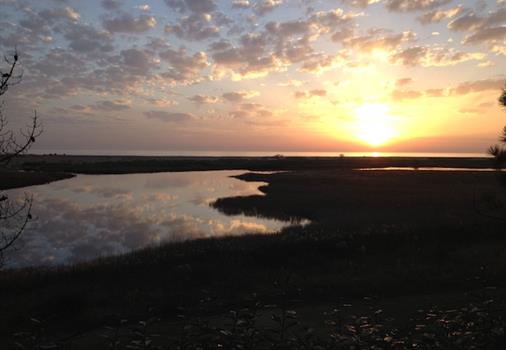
437	16
184	68
111	4
194	27
239	96
264	6
438	56
168	117
310	93
195	6
203	99
246	61
128	24
414	5
241	4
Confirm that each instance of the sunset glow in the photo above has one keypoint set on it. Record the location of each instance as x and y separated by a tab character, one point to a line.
258	75
374	125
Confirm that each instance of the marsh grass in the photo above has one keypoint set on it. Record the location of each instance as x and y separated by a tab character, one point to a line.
353	279
477	325
203	280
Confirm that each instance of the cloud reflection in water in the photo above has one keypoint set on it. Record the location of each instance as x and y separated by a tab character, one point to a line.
91	216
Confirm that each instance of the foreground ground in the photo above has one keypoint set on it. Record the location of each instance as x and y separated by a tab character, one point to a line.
392	260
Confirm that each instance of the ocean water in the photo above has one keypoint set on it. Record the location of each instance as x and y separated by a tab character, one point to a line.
256	154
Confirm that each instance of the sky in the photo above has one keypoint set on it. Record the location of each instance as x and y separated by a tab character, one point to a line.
258	75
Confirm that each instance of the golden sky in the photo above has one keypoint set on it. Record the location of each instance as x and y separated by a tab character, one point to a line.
259	75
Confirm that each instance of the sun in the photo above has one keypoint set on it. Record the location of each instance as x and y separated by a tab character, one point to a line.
373	125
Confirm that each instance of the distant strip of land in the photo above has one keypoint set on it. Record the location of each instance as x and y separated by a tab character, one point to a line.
30	170
394	248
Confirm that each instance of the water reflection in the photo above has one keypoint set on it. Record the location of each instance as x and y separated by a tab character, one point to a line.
90	216
430	169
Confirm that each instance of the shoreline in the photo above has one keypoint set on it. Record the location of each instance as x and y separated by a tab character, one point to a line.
28	170
397	236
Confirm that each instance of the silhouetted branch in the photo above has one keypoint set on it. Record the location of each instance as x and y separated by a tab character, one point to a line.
502	138
10	147
502	98
8	77
499	154
13	217
497	151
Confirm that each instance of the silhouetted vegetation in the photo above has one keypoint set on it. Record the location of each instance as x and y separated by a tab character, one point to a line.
499	151
366	289
440	285
14	216
136	164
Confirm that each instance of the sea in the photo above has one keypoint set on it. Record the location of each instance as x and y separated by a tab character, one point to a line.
172	153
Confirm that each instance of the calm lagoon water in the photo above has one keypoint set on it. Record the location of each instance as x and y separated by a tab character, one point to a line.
432	169
100	215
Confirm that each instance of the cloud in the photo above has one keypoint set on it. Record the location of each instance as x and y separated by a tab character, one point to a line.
437	16
487	35
161	102
403	82
471	21
110	4
320	63
101	106
379	39
75	56
461	89
35	27
434	56
478	86
399	95
280	45
251	59
251	111
112	106
194	27
128	24
196	6
137	59
488	29
264	6
66	13
184	68
168	117
414	5
241	4
360	3
310	94
203	99
239	96
58	62
86	39
144	7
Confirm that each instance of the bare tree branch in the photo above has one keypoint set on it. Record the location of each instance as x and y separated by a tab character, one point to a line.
8	77
14	216
10	147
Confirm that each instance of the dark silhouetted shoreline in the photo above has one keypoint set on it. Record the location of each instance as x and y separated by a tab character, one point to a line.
411	244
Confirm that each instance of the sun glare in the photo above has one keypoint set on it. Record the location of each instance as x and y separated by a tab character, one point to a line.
373	125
